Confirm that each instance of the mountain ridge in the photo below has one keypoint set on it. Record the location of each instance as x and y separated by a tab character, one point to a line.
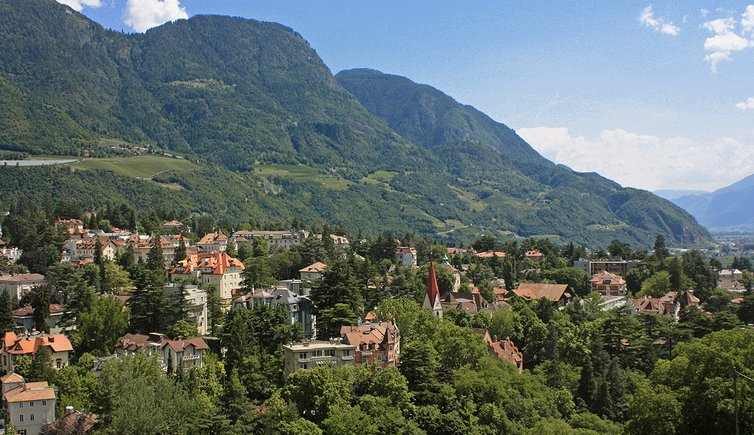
244	97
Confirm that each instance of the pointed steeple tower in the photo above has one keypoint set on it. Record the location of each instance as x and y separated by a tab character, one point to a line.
432	294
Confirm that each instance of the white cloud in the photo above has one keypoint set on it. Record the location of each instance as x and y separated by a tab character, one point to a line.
747	19
647	18
703	13
142	15
78	5
725	39
748	104
646	161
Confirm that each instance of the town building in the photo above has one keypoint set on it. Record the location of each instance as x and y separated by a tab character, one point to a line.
669	305
534	255
312	272
298	307
213	242
731	280
72	422
216	269
608	284
29	406
60	319
432	300
174	227
196	300
558	293
175	354
502	349
471	303
406	256
310	354
617	266
21	284
17	346
275	239
375	342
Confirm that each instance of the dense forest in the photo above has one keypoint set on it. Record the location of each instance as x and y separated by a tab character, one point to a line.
237	96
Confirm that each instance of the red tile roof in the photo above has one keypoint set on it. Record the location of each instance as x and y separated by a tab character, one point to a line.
490	254
369	333
317	267
30	391
28	310
552	292
29	345
214	263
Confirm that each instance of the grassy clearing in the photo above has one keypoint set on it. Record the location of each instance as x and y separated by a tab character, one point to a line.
302	173
137	167
469	198
382	176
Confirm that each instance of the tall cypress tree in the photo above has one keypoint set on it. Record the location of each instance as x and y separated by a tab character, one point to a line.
155	258
149	309
6	313
180	252
40	303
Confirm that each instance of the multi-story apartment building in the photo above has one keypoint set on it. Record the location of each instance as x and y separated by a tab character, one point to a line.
310	354
28	405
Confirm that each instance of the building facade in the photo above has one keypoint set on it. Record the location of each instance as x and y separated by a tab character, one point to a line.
310	354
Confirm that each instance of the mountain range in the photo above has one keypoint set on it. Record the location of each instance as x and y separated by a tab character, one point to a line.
273	136
728	208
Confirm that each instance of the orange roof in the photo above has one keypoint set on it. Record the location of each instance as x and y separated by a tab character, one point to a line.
533	253
370	333
213	263
11	378
552	292
603	276
29	345
490	254
28	310
212	237
30	391
317	267
433	290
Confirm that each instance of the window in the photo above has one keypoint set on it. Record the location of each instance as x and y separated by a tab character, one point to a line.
58	363
31	404
21	417
44	403
302	366
21	405
302	355
31	417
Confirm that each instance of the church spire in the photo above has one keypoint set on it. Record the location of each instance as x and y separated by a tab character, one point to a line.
432	295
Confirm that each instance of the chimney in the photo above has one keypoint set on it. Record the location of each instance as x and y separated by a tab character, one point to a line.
69	410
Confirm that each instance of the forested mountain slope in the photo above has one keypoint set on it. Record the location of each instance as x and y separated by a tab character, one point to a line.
252	102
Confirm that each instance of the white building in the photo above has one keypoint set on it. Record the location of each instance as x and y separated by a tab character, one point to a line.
406	256
20	285
275	239
28	405
310	354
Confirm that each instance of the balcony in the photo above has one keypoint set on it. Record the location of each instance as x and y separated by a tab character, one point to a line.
191	357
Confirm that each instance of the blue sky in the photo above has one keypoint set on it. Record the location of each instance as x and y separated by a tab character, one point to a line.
653	95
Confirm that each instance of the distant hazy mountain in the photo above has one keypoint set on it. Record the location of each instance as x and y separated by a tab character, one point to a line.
671	194
276	137
726	208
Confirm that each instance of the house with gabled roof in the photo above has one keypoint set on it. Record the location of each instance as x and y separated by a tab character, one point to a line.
28	405
177	354
312	272
502	349
558	293
213	242
375	342
609	284
21	284
17	346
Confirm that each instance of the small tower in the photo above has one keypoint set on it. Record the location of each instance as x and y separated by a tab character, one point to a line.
432	295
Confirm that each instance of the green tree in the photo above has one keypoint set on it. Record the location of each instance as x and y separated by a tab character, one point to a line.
100	327
155	258
348	420
41	366
40	302
180	252
337	298
660	250
149	308
114	278
653	410
656	285
6	313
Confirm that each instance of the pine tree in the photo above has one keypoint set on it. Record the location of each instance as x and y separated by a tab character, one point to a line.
149	310
6	313
40	303
41	366
180	252
155	258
